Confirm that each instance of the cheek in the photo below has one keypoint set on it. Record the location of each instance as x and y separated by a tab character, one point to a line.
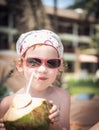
54	71
53	74
27	73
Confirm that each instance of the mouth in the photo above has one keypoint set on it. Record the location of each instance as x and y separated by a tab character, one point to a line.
42	78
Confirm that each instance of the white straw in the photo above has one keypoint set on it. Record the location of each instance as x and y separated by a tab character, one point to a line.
29	84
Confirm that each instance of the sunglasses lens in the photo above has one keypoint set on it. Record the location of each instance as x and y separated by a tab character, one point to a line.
53	63
36	62
33	62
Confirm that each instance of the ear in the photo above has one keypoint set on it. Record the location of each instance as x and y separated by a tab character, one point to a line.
19	65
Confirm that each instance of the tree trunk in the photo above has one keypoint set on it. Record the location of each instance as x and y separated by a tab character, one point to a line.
28	15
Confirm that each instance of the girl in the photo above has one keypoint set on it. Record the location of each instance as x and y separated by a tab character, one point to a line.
41	52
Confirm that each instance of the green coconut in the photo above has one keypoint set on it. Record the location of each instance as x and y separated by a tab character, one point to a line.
27	113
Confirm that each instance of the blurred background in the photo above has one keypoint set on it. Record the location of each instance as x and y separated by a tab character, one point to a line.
77	24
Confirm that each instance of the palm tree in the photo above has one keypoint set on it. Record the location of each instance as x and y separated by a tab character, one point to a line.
91	6
28	15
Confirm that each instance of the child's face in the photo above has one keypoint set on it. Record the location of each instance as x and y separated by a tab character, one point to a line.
46	75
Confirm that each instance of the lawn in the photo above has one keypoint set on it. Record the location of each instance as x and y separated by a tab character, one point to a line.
82	86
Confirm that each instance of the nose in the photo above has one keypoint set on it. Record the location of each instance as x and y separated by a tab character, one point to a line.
42	69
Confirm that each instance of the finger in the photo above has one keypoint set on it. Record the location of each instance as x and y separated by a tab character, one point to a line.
54	120
53	109
54	117
1	125
54	114
51	102
1	120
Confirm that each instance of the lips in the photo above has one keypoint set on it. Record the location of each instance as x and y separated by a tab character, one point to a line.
43	78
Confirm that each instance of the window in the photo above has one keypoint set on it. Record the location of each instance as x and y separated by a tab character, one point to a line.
3	16
3	41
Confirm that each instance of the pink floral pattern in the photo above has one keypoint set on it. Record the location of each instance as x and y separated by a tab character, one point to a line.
45	37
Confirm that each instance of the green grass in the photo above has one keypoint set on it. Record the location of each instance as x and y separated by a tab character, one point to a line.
86	89
82	86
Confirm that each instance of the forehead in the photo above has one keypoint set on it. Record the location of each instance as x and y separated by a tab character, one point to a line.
42	50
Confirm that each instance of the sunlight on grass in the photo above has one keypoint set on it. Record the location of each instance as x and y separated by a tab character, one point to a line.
86	89
81	86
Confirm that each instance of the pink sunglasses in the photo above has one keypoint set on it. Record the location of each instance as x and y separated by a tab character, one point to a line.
33	62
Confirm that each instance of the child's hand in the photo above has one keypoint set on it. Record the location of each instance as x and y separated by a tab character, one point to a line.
54	112
1	125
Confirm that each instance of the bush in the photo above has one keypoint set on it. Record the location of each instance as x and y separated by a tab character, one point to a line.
82	86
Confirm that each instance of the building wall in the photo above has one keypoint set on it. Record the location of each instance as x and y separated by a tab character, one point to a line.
76	34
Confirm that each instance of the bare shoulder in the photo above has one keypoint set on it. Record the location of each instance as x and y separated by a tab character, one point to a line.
62	92
61	95
6	100
4	105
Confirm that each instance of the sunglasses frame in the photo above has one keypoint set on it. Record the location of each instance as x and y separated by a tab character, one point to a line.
43	61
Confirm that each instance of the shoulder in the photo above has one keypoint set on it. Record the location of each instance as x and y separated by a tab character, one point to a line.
62	92
5	104
6	100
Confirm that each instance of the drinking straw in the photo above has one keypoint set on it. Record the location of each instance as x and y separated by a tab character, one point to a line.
30	81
